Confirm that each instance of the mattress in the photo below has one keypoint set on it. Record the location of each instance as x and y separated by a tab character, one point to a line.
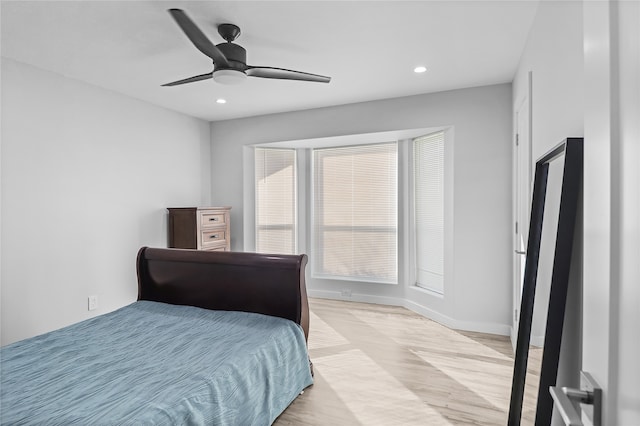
151	363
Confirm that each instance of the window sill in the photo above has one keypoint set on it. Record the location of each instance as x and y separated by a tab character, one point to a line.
427	291
352	279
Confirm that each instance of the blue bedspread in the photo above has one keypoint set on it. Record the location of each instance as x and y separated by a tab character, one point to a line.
156	364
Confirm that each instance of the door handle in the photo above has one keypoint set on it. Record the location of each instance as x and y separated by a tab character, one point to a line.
520	252
589	395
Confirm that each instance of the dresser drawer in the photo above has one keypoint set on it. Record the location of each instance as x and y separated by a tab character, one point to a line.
221	248
214	237
208	219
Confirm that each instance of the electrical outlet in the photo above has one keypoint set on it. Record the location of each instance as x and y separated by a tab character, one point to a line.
93	303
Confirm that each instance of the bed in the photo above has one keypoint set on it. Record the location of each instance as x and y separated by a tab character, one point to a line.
215	338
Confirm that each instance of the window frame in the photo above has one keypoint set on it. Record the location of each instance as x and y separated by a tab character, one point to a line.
293	226
413	223
314	248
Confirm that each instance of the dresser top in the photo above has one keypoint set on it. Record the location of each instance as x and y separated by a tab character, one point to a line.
199	208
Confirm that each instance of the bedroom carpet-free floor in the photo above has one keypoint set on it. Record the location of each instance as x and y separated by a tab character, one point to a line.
385	365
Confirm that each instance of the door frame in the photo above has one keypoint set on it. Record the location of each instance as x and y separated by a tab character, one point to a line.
522	146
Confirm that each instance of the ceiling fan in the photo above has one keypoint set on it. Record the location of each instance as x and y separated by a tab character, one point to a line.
230	59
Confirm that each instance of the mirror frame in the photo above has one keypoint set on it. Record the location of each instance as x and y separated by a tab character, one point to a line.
572	148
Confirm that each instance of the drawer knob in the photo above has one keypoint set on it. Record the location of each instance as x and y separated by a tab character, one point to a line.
213	219
214	236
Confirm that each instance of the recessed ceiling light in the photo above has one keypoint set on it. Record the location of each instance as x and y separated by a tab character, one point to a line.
221	101
420	69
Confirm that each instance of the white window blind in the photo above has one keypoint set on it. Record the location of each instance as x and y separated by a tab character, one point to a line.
276	207
355	212
428	168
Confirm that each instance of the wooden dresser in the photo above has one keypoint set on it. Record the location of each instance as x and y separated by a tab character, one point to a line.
200	228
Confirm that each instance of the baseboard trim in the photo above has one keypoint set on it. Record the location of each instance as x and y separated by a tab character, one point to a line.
481	327
536	341
490	328
356	297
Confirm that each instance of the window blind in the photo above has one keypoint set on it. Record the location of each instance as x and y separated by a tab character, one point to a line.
276	206
428	168
355	212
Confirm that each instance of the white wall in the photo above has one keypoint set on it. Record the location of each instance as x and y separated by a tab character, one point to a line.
478	294
86	177
553	54
554	57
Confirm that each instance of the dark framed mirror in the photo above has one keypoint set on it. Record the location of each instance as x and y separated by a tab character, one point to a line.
556	189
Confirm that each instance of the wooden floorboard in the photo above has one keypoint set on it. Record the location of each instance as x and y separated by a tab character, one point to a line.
385	365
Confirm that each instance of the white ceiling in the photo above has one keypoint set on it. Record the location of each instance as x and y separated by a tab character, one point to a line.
369	48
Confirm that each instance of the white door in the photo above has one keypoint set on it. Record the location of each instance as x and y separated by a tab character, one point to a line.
522	206
628	390
611	292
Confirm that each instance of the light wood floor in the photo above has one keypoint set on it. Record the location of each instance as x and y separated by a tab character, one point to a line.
385	365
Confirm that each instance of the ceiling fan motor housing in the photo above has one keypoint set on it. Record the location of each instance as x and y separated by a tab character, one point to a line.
236	56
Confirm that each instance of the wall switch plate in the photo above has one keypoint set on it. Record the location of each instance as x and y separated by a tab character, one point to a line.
93	303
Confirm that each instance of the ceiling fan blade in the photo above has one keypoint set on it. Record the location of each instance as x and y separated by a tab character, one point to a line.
190	79
198	38
283	74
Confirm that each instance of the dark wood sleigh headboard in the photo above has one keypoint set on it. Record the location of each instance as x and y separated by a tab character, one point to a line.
231	281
